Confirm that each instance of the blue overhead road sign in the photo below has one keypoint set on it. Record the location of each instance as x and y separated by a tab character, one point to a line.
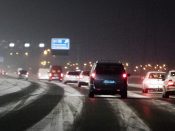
60	44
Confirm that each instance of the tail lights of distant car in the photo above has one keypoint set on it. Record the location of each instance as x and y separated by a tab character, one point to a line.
62	74
170	83
50	74
81	77
67	75
27	74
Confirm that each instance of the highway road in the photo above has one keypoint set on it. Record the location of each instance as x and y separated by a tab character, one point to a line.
52	106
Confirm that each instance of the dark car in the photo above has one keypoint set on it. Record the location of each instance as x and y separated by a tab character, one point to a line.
23	74
108	78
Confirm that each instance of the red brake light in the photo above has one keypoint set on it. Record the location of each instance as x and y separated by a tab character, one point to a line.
62	75
124	75
93	75
170	83
81	76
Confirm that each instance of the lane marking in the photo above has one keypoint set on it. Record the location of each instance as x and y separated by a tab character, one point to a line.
128	119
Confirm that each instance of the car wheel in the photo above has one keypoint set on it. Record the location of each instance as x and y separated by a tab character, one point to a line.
124	94
79	85
165	95
91	94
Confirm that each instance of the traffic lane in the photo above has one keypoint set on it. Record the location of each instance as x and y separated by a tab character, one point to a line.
106	111
96	114
157	117
32	113
152	113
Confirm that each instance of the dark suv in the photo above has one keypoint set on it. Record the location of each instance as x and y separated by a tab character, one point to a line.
108	78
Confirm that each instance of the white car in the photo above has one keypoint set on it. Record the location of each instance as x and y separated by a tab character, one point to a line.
153	81
84	78
71	77
43	73
169	84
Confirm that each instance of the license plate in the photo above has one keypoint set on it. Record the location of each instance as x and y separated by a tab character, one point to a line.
109	82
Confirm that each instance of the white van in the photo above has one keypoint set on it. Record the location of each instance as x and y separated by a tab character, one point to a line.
43	73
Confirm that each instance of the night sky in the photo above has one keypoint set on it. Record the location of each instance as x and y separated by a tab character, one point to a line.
138	31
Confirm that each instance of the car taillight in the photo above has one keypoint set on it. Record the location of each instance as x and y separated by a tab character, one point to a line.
170	83
62	75
67	76
93	75
50	74
124	75
80	76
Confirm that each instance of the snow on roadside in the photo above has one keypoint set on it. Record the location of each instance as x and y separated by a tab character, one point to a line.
129	120
8	85
135	85
63	115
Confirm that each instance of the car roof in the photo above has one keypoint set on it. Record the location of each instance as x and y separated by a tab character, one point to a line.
155	72
171	70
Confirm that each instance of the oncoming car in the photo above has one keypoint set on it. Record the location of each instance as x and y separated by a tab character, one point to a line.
169	84
153	81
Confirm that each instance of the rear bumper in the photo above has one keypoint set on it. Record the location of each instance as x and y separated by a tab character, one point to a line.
70	81
83	83
108	90
55	78
155	89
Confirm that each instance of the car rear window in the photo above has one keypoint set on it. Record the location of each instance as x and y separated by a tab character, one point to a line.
172	73
156	75
86	73
23	72
109	69
74	73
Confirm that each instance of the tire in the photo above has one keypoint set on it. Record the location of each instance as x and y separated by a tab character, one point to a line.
79	85
91	94
124	94
165	95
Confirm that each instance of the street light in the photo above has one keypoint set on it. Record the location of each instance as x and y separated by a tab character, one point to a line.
27	45
12	45
26	53
41	45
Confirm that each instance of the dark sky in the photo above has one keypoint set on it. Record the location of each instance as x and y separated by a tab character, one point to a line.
138	31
